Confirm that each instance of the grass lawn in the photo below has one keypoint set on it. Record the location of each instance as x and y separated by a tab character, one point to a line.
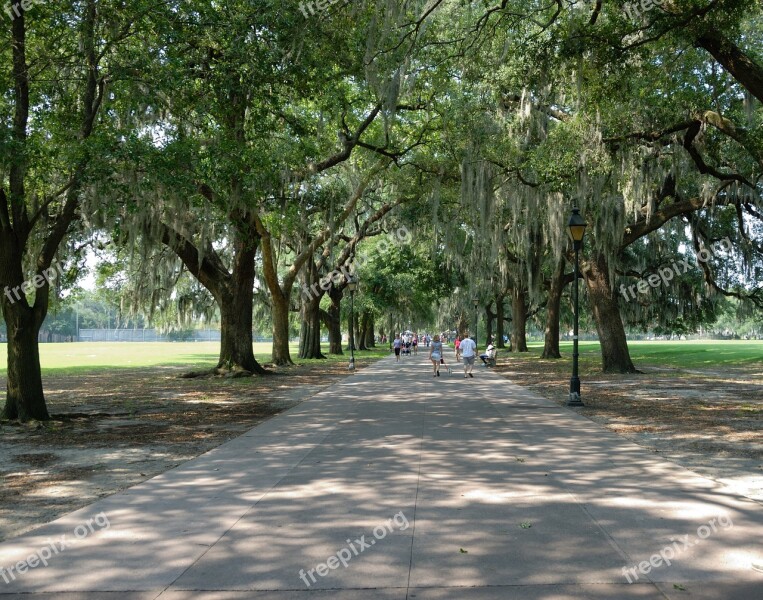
700	354
86	357
75	358
697	354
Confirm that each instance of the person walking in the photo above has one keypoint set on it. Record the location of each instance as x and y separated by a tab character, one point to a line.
457	345
396	345
468	352
435	355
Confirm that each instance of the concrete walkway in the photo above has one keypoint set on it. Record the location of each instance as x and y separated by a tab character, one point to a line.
426	489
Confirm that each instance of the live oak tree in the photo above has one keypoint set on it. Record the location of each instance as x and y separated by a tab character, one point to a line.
624	106
225	129
219	133
59	64
328	272
281	287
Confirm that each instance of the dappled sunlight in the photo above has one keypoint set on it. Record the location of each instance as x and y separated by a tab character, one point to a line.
498	487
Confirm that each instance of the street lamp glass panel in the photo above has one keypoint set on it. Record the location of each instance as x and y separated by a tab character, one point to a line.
577	226
476	302
352	284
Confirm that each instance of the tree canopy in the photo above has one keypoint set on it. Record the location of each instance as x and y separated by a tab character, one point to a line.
231	157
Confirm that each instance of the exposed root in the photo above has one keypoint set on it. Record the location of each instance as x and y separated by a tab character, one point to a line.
219	371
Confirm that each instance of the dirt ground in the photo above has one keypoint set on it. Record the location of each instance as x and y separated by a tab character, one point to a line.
113	429
708	421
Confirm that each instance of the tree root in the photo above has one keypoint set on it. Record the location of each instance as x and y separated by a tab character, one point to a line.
222	371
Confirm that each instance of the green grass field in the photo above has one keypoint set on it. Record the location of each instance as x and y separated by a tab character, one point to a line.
700	354
75	358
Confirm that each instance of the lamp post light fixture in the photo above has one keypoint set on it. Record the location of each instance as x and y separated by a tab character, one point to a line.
577	227
476	303
352	285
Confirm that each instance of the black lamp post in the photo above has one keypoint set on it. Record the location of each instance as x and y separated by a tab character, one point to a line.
577	227
352	285
476	303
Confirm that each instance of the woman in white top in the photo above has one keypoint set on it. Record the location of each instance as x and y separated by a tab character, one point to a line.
435	354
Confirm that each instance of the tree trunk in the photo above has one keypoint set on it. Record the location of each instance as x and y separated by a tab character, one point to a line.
279	294
310	311
518	320
363	331
310	332
609	325
25	398
334	320
489	320
370	335
234	291
236	303
236	350
499	319
551	339
462	325
280	313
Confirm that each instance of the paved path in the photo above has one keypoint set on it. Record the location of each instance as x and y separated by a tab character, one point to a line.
427	489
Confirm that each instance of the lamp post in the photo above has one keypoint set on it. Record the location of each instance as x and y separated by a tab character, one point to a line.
476	303
577	227
352	285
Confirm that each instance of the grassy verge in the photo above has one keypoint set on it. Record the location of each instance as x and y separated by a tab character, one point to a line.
659	355
88	357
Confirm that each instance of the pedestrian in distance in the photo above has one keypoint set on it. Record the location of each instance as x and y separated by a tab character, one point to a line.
457	345
468	353
435	355
396	345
